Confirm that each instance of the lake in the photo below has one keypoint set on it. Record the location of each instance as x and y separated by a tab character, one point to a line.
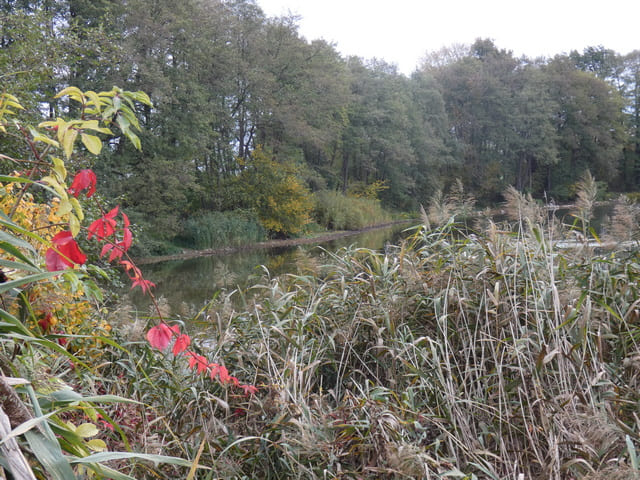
187	285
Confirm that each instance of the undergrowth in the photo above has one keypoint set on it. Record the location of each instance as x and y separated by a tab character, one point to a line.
335	211
492	355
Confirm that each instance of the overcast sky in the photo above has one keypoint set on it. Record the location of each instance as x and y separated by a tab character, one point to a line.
401	31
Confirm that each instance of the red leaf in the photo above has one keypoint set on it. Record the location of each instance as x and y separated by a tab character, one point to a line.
249	389
182	342
193	358
127	265
160	336
83	179
102	227
223	374
64	253
116	252
54	261
127	239
106	248
197	360
145	285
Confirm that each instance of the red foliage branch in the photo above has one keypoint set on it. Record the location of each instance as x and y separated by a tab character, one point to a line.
65	253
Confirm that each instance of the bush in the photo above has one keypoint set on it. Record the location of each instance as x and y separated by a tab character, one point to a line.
335	211
223	229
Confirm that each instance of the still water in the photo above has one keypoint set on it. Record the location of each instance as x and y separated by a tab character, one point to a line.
187	285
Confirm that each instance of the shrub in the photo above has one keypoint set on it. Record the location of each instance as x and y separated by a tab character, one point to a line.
223	229
335	211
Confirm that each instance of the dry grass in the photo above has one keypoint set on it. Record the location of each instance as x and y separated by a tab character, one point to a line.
487	356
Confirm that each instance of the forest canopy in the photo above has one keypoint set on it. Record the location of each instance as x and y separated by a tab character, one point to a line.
227	81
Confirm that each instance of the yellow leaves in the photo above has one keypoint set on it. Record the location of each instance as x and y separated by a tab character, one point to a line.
85	431
73	92
67	134
68	139
67	206
8	105
279	198
93	143
59	169
29	214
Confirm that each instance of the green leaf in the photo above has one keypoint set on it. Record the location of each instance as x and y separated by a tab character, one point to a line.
14	324
94	100
130	116
123	122
74	225
59	169
156	459
632	453
10	240
52	182
68	140
108	472
141	97
72	92
93	143
50	455
17	265
24	427
87	430
5	287
38	137
64	207
97	445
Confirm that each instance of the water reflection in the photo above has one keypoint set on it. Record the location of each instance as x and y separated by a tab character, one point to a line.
186	285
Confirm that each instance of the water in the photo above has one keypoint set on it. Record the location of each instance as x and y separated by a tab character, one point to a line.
187	285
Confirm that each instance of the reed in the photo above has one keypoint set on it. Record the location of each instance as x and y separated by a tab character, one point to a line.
334	211
222	229
485	355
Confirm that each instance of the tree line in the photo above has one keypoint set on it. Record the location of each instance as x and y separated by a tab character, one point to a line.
239	97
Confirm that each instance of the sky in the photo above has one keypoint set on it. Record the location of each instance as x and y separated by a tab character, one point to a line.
402	31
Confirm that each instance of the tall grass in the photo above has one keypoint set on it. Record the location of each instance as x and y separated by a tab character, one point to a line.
493	355
335	211
222	229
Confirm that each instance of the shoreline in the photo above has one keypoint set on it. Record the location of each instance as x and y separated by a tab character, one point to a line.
287	242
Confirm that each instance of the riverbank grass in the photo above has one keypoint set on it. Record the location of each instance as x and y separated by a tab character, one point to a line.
485	355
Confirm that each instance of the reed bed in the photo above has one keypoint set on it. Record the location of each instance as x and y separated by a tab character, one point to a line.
485	355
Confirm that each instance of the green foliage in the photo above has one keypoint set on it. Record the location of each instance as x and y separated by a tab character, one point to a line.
335	211
51	336
222	229
225	78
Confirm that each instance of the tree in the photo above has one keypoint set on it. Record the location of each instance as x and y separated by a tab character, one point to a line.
589	124
274	192
431	142
479	95
630	171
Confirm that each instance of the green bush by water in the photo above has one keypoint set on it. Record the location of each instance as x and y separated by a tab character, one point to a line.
223	229
335	211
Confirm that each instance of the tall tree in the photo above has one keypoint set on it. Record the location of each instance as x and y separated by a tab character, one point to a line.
631	93
431	141
589	125
479	95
